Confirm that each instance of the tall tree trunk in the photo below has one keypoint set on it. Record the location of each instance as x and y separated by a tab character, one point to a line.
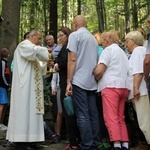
134	14
116	17
32	13
79	7
100	11
45	18
64	12
148	7
53	18
127	16
9	28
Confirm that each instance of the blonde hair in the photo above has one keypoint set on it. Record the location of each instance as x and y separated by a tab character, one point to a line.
97	35
111	36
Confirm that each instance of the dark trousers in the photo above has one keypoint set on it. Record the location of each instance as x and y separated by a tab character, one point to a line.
87	117
103	129
71	124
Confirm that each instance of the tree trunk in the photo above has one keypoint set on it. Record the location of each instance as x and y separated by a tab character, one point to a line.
9	28
45	18
64	12
32	13
148	7
134	14
127	16
100	11
53	18
79	7
116	17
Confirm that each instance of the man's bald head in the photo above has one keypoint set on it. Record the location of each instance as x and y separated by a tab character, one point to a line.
80	21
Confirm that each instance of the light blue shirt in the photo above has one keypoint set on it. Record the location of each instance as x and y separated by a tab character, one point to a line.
85	46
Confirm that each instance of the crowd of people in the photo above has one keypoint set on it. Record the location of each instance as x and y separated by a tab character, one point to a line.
102	75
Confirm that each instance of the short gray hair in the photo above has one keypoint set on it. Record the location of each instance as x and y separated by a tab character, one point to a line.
33	32
136	36
50	36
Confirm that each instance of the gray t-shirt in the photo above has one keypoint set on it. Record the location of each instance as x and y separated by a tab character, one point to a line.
85	46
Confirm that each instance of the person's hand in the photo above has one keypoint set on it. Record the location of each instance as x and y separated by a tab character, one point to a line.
53	92
146	80
136	93
50	50
69	89
56	67
50	63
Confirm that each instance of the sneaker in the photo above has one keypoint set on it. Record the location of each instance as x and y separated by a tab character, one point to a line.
68	147
58	137
54	138
3	127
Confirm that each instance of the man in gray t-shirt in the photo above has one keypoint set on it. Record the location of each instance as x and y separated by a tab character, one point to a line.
147	57
81	83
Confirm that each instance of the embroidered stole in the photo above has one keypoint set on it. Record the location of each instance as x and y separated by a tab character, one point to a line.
38	89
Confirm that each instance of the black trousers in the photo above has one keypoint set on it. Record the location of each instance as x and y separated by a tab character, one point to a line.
71	124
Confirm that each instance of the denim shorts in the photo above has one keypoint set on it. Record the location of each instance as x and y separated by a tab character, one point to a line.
3	96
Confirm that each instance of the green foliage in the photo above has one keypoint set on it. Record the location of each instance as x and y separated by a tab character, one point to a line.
32	14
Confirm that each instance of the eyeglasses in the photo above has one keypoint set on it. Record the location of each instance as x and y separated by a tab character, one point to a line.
127	41
61	35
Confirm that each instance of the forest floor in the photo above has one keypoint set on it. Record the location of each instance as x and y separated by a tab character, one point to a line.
47	146
40	146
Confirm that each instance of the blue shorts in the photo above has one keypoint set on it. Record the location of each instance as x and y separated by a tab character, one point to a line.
3	96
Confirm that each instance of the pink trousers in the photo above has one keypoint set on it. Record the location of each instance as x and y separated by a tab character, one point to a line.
113	100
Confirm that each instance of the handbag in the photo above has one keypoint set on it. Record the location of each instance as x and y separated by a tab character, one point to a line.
68	104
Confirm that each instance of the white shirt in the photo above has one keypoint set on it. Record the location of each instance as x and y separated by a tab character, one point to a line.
135	67
55	81
115	75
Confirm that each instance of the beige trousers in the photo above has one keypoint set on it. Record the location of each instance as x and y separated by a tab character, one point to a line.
142	108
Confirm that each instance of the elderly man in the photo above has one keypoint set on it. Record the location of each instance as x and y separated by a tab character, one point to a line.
81	83
52	47
27	106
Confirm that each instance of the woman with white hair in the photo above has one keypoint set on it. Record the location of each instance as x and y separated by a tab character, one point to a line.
138	94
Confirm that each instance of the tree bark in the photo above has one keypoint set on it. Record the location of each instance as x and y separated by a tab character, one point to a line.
134	14
53	18
79	7
9	28
100	11
127	16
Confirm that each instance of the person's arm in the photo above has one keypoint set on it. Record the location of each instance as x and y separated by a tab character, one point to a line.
99	71
3	75
53	83
71	65
146	67
136	83
70	72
